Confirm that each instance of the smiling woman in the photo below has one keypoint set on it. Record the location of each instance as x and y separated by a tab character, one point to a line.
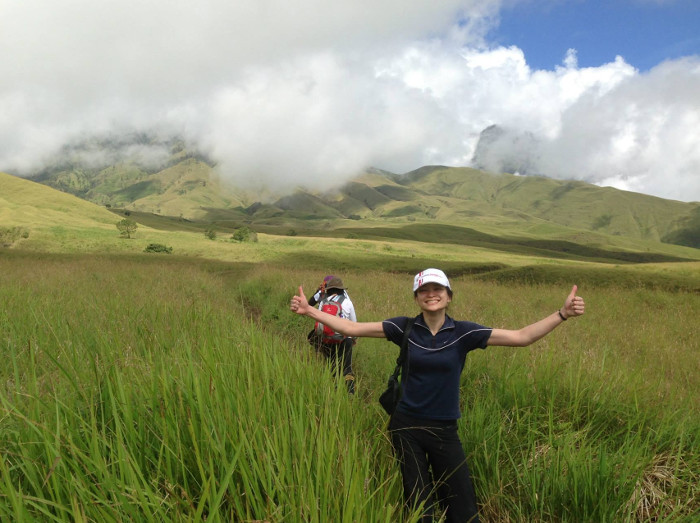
423	427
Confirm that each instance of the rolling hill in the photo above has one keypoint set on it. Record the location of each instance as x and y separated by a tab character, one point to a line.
59	222
24	203
29	209
189	186
464	194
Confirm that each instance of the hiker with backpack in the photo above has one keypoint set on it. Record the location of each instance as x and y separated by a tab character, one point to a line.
423	425
332	298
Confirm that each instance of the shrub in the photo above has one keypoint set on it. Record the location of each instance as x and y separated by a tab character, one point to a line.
9	235
158	247
210	233
244	234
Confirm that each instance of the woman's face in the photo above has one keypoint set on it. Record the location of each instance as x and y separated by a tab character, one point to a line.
432	297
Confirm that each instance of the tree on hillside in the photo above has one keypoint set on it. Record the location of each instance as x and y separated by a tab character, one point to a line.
244	234
127	227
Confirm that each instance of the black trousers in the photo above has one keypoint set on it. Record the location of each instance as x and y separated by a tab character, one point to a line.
433	468
339	356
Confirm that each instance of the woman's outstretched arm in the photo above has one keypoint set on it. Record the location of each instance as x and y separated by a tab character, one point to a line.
354	329
573	306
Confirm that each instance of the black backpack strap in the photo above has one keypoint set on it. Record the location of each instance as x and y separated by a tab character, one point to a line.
403	354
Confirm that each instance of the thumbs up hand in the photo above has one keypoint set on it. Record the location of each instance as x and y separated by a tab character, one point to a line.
299	303
574	305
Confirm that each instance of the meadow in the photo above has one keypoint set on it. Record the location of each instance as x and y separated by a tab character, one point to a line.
153	387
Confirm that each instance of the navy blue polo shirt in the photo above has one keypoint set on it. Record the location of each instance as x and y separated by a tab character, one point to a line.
435	363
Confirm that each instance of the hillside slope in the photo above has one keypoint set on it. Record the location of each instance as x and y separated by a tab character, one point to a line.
468	197
56	219
188	186
570	203
24	203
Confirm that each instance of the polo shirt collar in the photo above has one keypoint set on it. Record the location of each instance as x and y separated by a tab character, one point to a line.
449	322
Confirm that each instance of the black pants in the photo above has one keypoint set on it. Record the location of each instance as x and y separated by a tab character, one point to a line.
339	357
433	468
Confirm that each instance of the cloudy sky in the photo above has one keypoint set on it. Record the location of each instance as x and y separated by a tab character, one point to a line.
311	92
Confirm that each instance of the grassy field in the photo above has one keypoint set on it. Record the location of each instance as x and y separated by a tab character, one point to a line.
178	387
153	387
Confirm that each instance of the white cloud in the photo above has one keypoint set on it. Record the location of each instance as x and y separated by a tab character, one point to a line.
311	92
641	135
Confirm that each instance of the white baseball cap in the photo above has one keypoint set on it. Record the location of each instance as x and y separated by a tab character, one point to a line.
430	276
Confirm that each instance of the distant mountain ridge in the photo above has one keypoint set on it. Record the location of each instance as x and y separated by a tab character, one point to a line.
188	185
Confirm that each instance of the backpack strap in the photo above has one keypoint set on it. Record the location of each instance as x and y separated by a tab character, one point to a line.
341	298
402	360
335	298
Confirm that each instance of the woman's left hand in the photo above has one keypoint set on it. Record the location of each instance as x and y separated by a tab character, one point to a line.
574	305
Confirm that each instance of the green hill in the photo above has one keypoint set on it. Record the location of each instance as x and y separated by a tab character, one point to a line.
463	195
25	203
32	210
509	245
188	186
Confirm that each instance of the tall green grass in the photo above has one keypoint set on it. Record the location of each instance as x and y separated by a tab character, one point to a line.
145	392
154	388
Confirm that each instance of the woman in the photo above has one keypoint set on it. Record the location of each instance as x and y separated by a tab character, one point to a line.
424	425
